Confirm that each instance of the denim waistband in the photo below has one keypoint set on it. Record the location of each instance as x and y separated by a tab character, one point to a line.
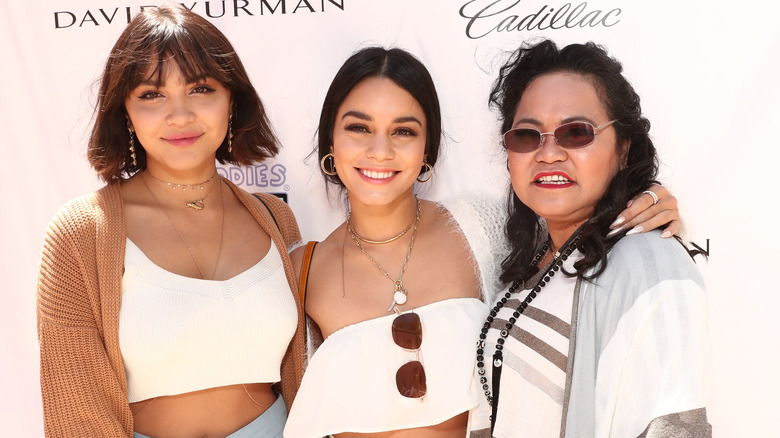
270	424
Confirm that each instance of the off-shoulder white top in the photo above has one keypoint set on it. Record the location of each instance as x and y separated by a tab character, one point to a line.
349	385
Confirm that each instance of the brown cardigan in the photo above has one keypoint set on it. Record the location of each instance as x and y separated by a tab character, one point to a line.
83	379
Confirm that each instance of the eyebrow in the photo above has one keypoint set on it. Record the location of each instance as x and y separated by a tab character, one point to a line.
363	116
536	122
197	79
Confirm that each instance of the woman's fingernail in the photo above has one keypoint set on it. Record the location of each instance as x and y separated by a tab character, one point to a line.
636	230
666	234
615	231
628	204
618	221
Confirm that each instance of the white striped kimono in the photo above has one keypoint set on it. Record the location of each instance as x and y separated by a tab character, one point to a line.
621	356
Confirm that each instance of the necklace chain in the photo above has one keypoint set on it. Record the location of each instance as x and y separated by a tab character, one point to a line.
186	244
183	187
559	257
195	204
354	232
399	293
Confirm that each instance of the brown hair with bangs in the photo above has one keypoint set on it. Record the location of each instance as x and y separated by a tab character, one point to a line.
155	36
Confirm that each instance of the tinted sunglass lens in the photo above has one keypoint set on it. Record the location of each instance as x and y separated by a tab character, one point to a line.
522	140
410	380
574	135
407	331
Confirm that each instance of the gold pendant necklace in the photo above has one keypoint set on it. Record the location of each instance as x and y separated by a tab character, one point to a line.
352	231
196	204
186	244
399	292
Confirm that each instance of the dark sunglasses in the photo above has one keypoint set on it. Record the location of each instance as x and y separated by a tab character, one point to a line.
570	135
407	334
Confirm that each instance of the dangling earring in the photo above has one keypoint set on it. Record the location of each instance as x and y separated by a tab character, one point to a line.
132	145
230	134
429	170
332	166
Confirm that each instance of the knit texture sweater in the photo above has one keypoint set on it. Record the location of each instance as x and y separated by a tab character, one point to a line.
83	382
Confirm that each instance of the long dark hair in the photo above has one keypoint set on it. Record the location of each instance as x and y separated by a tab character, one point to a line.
525	230
397	65
171	33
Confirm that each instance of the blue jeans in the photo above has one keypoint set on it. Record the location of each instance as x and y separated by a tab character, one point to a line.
270	424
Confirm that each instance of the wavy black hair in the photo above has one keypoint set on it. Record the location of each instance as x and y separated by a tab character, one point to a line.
525	230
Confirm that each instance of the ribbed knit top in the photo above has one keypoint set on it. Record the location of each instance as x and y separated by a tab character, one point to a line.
179	334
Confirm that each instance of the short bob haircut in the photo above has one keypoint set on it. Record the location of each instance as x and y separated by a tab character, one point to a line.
400	67
154	37
525	231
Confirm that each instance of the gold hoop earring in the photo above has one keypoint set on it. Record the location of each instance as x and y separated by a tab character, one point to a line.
332	166
230	134
132	144
429	171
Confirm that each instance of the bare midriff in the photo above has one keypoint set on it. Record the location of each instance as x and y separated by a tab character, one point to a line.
454	427
213	412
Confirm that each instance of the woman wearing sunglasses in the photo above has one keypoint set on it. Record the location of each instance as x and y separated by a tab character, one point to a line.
397	291
597	335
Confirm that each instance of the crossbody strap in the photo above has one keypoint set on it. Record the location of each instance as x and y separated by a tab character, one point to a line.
303	283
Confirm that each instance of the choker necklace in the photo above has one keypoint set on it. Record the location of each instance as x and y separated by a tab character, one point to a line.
186	244
197	204
558	258
399	294
353	232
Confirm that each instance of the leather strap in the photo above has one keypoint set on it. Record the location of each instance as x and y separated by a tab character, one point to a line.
268	208
303	282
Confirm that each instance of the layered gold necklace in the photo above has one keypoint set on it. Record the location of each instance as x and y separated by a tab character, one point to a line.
202	205
196	204
399	291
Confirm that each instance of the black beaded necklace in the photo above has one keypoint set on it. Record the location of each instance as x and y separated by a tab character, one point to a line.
559	257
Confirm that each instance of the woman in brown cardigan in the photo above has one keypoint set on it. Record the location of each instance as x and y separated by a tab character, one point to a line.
165	303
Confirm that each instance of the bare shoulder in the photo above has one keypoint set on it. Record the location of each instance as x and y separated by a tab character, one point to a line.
324	253
296	257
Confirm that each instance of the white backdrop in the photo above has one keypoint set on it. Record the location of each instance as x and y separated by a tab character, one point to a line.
706	72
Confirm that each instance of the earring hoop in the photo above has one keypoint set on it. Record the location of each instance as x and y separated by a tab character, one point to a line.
132	144
429	171
332	166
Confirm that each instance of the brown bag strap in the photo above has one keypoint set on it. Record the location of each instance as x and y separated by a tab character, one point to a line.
303	282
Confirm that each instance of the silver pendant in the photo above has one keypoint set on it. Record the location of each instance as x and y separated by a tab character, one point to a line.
399	298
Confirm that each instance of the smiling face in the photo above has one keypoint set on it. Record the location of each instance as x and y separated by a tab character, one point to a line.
563	185
180	125
379	142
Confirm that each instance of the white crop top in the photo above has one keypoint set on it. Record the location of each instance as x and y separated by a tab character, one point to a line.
179	334
349	384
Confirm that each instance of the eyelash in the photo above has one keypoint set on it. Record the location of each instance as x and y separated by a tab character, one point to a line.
407	132
203	89
358	128
199	89
149	95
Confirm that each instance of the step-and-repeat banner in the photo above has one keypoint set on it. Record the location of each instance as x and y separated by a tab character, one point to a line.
706	72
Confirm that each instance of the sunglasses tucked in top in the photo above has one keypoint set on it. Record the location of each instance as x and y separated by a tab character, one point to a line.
570	135
407	334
